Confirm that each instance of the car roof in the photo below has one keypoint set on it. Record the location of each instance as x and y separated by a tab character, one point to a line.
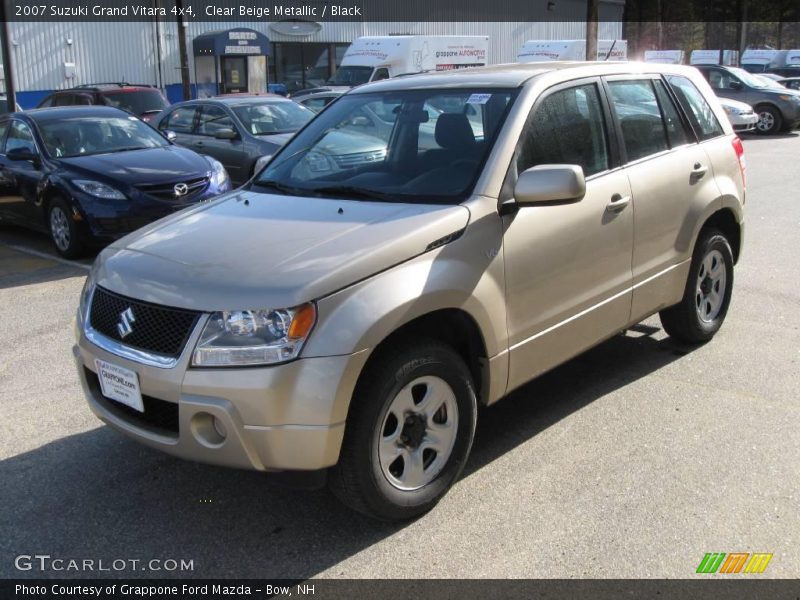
513	75
243	100
65	112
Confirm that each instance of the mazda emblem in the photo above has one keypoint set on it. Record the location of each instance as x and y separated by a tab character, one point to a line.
181	189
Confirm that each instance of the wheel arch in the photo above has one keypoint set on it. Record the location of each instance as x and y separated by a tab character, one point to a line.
725	221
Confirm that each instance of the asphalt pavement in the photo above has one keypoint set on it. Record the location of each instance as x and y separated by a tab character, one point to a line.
633	460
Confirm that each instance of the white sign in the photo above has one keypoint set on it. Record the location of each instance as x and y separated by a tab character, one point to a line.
120	384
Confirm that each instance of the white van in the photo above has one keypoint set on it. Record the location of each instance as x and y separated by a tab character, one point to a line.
551	50
711	57
664	57
758	61
371	58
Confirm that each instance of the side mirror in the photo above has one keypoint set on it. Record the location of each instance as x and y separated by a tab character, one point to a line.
360	122
735	84
550	183
170	135
226	134
22	153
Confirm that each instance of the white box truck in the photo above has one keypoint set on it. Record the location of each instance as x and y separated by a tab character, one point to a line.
371	58
758	61
665	57
711	57
550	50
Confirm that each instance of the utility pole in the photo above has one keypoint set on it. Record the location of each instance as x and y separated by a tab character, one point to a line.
184	56
8	71
591	29
742	30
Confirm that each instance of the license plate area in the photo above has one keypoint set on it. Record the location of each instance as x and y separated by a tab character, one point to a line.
119	384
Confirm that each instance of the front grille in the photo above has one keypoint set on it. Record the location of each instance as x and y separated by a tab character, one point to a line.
159	416
154	328
347	161
166	191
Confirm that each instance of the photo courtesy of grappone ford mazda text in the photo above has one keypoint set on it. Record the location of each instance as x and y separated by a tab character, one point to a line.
346	311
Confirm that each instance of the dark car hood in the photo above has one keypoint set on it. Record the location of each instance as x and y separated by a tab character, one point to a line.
249	249
152	165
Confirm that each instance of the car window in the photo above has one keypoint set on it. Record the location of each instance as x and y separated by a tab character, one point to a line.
180	120
63	100
316	104
137	102
19	136
697	109
212	120
273	117
567	127
677	134
47	102
639	117
382	73
84	135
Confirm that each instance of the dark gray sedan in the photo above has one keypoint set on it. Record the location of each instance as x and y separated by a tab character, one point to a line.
239	131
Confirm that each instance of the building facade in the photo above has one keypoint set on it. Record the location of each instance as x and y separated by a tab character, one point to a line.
59	55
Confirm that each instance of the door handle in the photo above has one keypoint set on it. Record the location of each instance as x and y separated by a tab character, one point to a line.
699	170
618	202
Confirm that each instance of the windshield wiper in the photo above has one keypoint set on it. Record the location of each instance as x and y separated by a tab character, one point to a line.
280	187
349	191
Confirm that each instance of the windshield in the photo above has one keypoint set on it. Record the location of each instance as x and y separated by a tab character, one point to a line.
351	76
138	102
82	136
748	78
273	117
410	146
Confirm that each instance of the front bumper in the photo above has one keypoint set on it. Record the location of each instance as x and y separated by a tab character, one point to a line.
743	123
282	417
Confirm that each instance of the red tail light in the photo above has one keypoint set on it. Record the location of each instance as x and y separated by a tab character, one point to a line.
739	149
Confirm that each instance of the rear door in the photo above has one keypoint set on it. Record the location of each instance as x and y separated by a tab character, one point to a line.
568	266
671	183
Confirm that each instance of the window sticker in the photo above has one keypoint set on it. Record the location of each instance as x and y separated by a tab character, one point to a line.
479	98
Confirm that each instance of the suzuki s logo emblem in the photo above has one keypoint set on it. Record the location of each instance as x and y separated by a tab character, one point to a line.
124	326
181	189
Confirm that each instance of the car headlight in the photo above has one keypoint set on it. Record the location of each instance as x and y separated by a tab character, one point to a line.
219	176
790	97
254	337
732	110
262	162
98	190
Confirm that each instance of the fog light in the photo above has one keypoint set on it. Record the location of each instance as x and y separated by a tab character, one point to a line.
208	430
219	427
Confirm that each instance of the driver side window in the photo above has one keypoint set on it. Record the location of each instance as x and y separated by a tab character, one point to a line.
19	136
566	127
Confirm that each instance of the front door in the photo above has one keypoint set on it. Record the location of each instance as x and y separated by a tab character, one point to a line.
568	266
19	179
234	74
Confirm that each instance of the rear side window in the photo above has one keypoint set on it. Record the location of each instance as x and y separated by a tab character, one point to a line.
676	130
63	100
137	102
180	120
47	102
696	107
567	127
639	117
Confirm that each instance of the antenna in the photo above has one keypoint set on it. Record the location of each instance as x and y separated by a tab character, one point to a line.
610	50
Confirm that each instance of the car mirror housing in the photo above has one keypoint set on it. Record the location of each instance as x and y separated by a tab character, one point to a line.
226	134
550	183
22	154
170	135
735	85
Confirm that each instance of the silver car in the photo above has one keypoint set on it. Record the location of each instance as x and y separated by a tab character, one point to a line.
346	314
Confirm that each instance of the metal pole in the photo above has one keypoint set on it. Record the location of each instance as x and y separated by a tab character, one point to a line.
591	29
184	57
8	70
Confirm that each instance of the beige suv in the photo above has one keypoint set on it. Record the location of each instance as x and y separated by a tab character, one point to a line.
347	310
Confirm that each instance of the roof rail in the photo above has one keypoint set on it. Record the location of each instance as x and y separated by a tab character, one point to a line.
117	83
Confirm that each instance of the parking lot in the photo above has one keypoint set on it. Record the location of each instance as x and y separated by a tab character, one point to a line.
633	460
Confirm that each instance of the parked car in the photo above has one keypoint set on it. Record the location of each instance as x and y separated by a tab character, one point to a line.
347	322
4	105
777	109
95	173
792	83
741	115
241	131
144	101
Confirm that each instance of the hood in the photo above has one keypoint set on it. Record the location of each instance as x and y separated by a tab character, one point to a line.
249	250
153	165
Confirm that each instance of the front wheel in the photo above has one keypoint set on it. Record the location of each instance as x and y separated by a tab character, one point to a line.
699	315
409	432
63	229
769	120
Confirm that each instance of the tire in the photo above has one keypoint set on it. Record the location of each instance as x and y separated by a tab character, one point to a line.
701	312
388	468
770	121
64	231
